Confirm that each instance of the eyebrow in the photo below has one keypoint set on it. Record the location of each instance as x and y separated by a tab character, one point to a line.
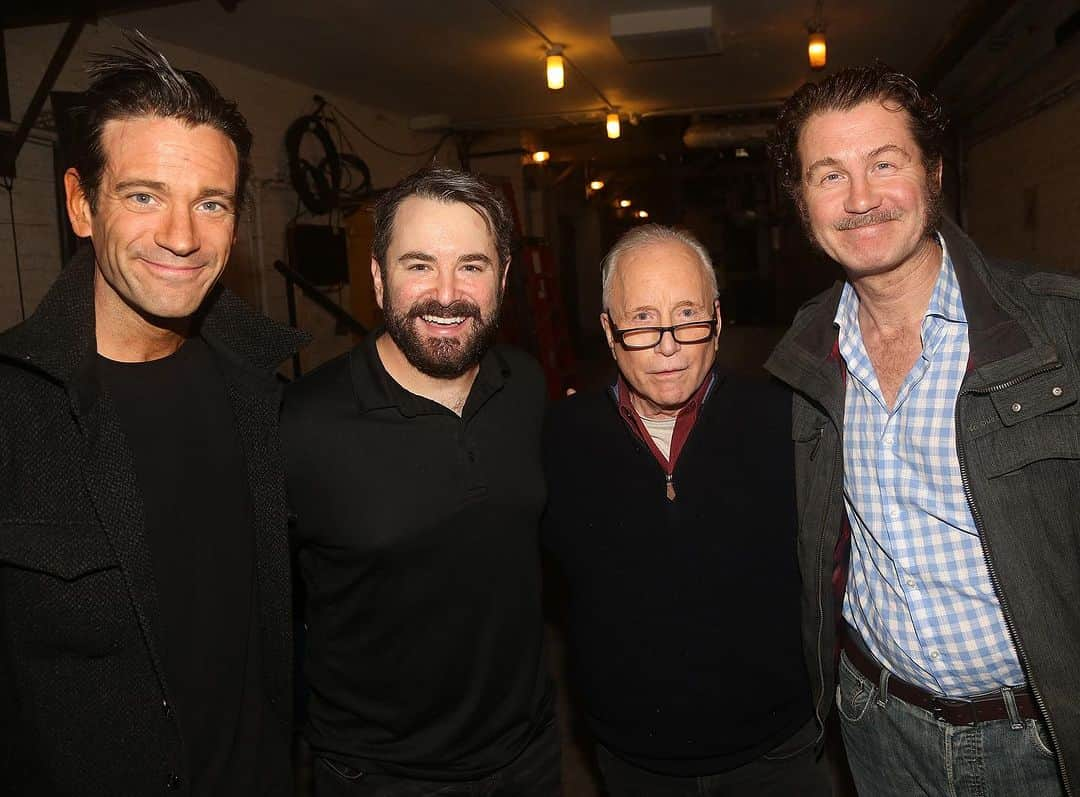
830	161
470	257
157	185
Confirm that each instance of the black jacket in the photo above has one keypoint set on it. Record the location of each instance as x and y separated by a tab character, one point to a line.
1018	443
84	704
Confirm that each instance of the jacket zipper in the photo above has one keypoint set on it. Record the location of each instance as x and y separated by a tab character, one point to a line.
1006	613
820	576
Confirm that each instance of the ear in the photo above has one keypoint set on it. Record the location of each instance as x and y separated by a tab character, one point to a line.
377	282
719	323
505	274
605	322
939	171
78	206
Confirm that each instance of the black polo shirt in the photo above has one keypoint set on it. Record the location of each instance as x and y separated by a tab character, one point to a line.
417	536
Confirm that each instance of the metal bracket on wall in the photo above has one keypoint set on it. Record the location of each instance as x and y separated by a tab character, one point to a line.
12	143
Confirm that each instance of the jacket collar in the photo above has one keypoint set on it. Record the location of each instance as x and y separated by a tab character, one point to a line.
999	329
59	340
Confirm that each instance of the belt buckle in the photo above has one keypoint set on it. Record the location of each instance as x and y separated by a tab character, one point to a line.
943	704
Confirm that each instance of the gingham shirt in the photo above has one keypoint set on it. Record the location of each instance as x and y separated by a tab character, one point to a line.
918	590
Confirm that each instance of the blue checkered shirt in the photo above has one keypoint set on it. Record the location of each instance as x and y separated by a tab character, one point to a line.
918	589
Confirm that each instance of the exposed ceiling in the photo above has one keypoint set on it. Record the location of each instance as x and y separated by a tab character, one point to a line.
471	61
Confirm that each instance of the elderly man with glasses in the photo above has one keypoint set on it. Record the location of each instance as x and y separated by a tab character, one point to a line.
671	512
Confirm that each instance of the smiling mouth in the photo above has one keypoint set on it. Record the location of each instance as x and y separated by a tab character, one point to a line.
444	321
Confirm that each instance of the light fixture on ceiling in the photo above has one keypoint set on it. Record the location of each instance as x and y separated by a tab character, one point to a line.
816	49
624	203
642	214
541	156
556	72
596	185
613	128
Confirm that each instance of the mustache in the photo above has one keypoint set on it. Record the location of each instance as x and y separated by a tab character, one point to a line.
460	308
854	222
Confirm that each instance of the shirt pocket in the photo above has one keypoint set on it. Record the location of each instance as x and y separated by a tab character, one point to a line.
62	591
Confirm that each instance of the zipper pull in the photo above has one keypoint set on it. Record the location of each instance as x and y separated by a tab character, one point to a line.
670	487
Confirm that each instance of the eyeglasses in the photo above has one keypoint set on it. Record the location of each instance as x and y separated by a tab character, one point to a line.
636	338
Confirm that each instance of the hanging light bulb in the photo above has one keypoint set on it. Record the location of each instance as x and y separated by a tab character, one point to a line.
816	49
596	185
624	203
642	214
613	129
541	156
556	73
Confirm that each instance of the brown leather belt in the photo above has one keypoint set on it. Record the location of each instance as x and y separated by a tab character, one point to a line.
986	707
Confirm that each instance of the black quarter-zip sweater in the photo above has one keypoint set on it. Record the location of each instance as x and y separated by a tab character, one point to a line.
683	618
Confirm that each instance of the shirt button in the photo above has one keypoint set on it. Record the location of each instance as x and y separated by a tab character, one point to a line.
935	655
909	581
894	512
887	439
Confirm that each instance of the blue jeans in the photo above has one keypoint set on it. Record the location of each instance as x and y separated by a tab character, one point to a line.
794	767
899	750
536	772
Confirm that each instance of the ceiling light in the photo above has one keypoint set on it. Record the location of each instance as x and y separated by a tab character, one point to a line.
613	130
556	74
596	185
624	203
816	49
541	156
742	152
642	214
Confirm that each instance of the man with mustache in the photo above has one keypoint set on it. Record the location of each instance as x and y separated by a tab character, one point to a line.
937	445
145	621
414	471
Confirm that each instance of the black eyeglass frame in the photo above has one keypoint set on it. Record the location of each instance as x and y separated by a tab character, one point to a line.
619	334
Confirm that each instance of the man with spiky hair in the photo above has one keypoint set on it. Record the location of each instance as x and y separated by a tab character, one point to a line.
937	451
413	468
144	578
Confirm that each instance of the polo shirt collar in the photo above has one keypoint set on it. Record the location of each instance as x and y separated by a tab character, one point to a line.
375	389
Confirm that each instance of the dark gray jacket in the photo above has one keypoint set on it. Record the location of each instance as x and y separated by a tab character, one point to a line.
84	703
1018	441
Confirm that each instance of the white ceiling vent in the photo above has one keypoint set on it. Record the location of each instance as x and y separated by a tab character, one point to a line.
662	35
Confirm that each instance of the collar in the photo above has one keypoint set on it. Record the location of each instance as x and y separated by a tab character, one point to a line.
996	326
59	340
375	389
685	420
945	300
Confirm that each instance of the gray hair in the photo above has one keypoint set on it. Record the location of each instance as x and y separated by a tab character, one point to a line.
646	235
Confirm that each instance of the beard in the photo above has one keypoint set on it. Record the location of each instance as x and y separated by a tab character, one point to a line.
442	358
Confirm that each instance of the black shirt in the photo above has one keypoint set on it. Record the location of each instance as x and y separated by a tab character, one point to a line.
179	425
417	532
683	620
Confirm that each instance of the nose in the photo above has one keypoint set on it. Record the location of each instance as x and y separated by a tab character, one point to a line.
446	286
667	345
177	232
862	196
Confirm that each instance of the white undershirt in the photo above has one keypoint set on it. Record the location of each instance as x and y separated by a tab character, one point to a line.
661	431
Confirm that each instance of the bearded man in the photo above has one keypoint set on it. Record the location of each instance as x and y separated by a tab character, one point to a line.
413	466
